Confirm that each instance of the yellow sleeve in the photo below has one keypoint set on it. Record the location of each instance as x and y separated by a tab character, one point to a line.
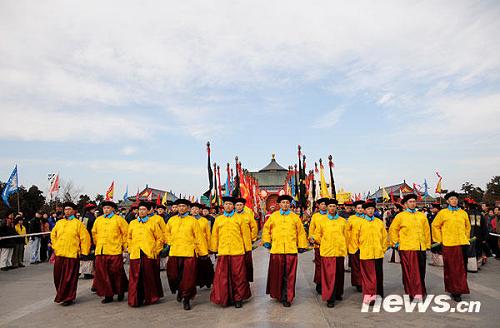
94	231
53	235
467	226
158	235
266	231
253	227
427	232
245	231
124	232
394	230
207	231
301	235
168	232
384	241
163	228
214	239
129	235
84	240
318	234
312	226
437	223
200	243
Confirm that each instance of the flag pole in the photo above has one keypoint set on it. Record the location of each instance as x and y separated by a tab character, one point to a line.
18	207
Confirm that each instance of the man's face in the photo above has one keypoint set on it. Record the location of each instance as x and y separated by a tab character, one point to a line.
68	211
45	216
370	211
107	209
160	210
453	201
285	205
348	209
496	210
228	207
360	209
332	209
322	206
135	210
174	208
434	210
195	210
239	206
484	207
411	204
205	212
182	208
272	208
143	211
37	215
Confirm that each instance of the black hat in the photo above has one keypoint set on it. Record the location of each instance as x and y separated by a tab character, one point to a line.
240	200
196	205
332	201
398	205
284	197
358	202
323	200
148	205
161	206
451	194
408	197
348	203
182	201
109	203
70	204
368	204
228	199
170	203
436	205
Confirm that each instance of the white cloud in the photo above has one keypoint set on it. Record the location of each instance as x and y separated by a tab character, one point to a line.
129	150
329	119
386	99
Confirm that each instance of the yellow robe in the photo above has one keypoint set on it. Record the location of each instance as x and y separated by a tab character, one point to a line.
372	239
110	235
228	235
352	233
185	237
451	228
285	233
330	234
146	237
70	238
411	230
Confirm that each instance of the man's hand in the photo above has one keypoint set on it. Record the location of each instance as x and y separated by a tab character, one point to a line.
267	245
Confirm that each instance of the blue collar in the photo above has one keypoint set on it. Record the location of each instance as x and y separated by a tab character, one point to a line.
229	214
70	217
411	210
197	216
322	212
110	215
453	209
333	217
360	215
369	218
183	215
284	212
144	219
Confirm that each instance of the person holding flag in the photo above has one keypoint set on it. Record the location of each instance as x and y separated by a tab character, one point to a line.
330	235
185	242
205	267
372	241
352	238
230	244
284	236
451	228
250	236
144	242
110	234
409	233
69	239
315	221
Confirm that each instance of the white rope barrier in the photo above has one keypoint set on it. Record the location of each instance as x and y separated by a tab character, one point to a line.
28	235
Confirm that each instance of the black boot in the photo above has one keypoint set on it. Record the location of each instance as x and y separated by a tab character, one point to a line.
179	297
107	299
359	289
121	297
286	304
67	303
318	288
456	297
330	304
238	304
187	306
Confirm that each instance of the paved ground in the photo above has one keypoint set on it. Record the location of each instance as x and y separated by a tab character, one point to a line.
26	300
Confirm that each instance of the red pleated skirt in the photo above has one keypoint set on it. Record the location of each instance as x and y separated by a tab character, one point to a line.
142	285
413	264
281	276
205	272
181	274
230	281
332	278
249	266
372	277
455	269
65	278
110	278
355	269
317	266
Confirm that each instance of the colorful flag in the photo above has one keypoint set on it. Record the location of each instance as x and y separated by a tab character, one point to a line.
164	199
385	195
11	187
125	195
158	199
323	187
53	184
110	191
439	188
210	174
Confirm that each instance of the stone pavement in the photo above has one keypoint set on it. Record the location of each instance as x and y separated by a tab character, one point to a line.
26	300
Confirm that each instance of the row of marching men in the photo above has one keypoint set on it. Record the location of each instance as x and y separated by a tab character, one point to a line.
188	241
363	238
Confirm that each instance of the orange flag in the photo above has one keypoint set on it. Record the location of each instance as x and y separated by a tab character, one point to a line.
110	191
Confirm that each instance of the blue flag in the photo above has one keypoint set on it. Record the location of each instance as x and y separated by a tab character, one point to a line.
125	195
10	187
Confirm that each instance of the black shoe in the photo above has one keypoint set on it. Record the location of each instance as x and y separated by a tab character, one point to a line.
179	298
93	290
67	303
339	298
5	269
359	289
286	304
318	288
121	297
456	298
372	303
107	299
187	306
330	304
238	304
88	276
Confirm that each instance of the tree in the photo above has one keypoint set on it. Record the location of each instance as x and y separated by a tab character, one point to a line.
471	191
493	190
99	198
69	191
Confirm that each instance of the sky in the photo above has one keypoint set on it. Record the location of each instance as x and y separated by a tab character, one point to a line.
131	91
